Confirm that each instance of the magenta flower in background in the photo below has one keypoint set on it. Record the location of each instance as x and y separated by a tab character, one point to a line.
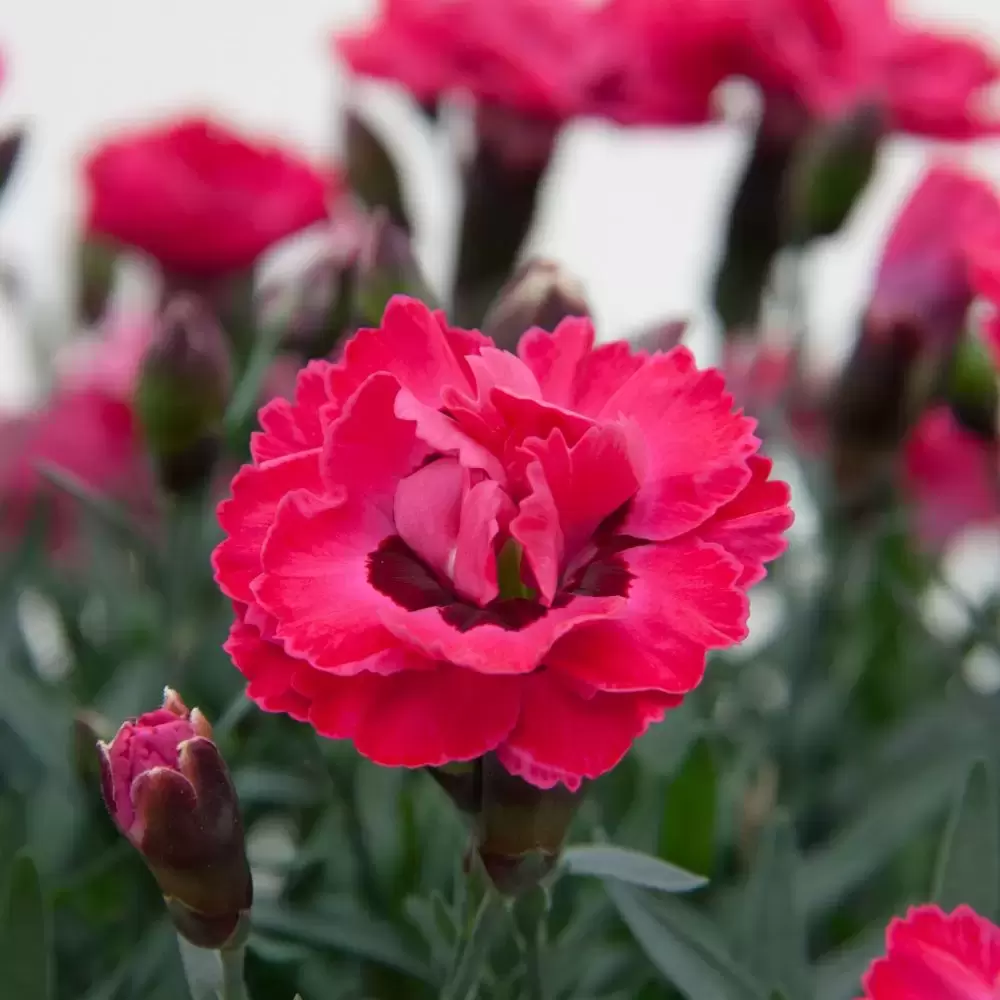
86	428
950	477
518	55
925	275
442	549
835	56
825	58
199	198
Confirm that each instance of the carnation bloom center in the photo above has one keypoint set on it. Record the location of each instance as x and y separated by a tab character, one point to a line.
416	571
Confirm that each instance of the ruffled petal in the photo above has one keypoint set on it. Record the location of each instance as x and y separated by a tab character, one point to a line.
248	514
316	558
486	509
564	736
589	481
442	434
463	637
602	373
696	446
555	357
537	529
683	599
368	450
933	954
410	344
315	582
427	512
752	527
288	427
419	719
268	669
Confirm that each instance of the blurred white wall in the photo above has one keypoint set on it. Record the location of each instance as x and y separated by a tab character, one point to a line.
635	214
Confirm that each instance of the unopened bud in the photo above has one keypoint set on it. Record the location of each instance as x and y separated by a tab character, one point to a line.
315	307
911	331
890	378
973	391
183	390
169	792
386	267
11	147
97	272
539	294
372	174
832	166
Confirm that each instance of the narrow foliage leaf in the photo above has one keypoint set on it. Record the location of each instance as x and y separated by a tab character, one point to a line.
968	868
634	867
24	948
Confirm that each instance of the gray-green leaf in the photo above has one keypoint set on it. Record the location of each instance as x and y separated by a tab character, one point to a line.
634	867
968	867
25	955
773	933
684	947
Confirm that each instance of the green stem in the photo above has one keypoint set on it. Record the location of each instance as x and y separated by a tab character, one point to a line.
473	952
213	975
531	913
534	981
233	987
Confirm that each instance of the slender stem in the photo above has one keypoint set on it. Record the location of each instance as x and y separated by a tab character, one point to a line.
472	953
531	914
534	944
213	975
233	987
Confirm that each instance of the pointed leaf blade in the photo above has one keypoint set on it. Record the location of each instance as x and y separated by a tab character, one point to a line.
968	867
773	933
683	946
633	867
25	954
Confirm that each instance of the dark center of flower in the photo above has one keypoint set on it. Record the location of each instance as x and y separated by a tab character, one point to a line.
396	571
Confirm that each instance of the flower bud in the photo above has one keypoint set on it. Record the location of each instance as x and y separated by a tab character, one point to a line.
887	382
315	308
169	792
182	394
973	391
911	329
371	173
539	294
386	267
830	170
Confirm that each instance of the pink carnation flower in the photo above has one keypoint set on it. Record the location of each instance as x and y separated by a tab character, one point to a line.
950	477
932	955
442	549
200	199
833	56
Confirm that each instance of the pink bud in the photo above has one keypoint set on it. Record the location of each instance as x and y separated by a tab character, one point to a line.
169	792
